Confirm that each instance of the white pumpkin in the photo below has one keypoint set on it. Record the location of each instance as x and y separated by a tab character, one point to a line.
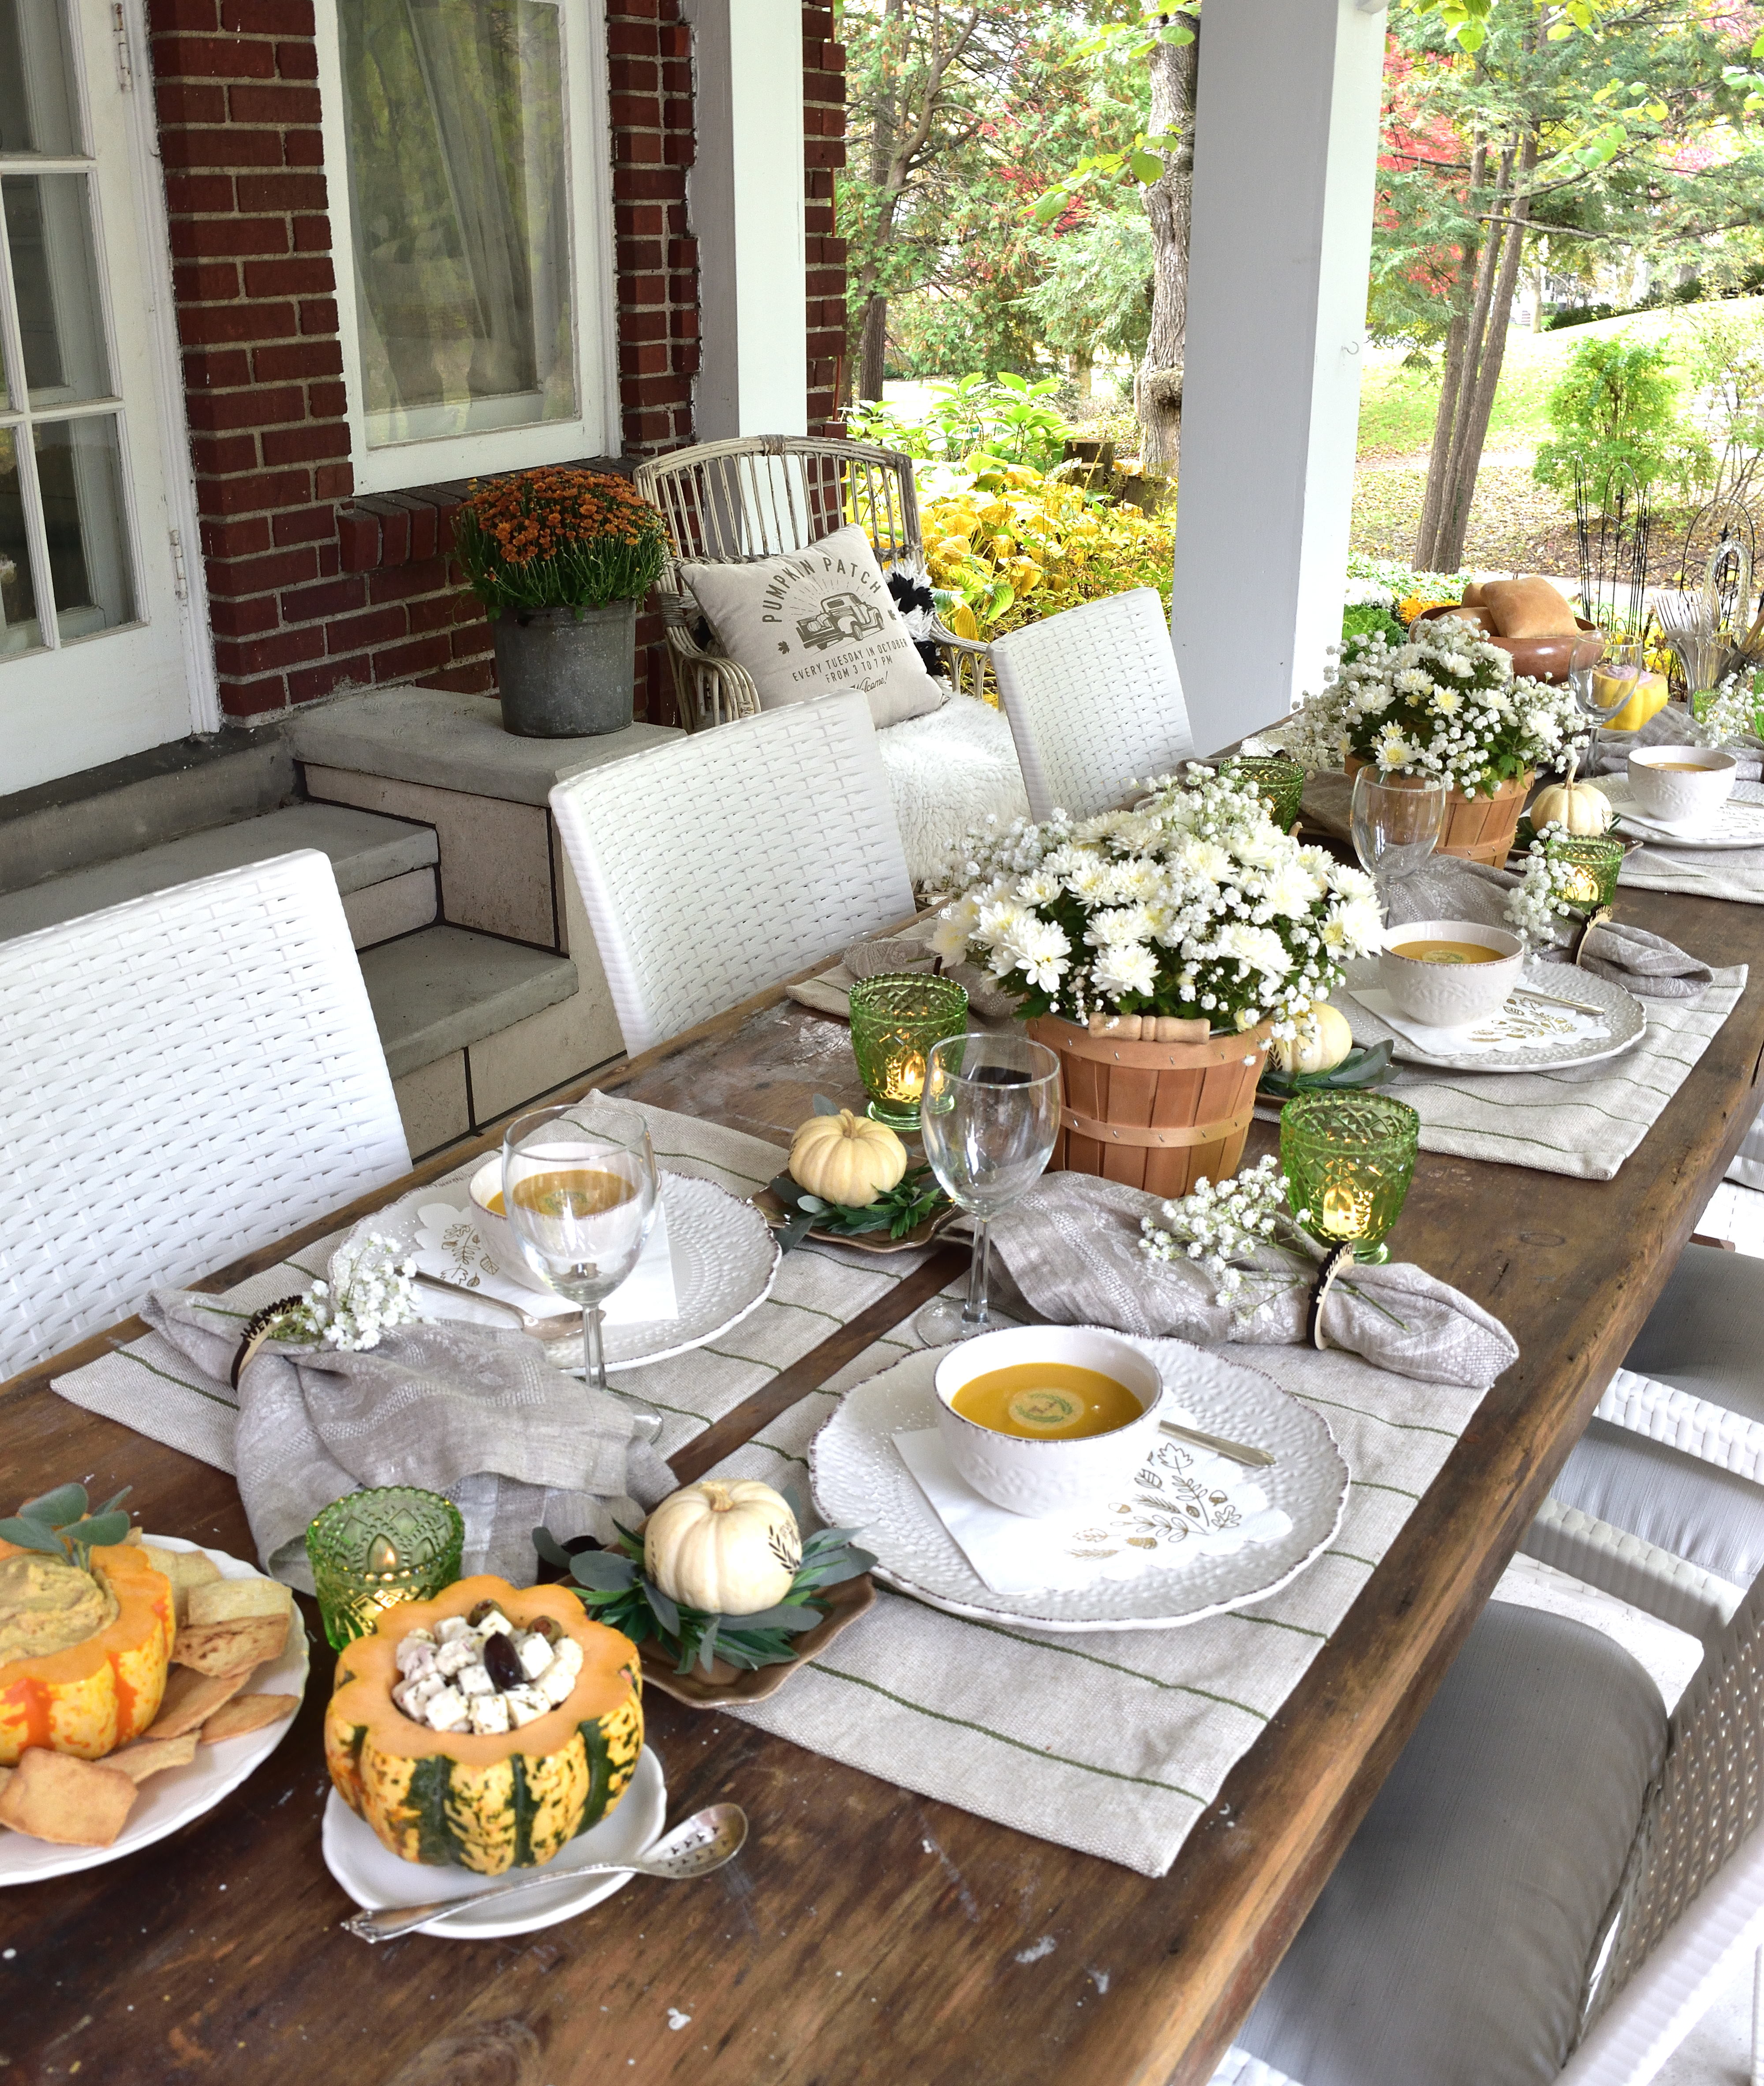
846	1158
1578	808
1324	1040
731	1547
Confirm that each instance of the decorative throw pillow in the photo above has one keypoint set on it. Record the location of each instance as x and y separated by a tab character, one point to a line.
819	621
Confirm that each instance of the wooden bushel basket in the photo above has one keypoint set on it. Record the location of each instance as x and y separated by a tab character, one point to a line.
1157	1116
1478	828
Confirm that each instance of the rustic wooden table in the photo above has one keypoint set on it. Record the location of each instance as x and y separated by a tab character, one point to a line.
865	1935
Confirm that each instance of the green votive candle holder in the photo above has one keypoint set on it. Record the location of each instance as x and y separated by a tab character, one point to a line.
895	1019
1348	1159
371	1551
1589	867
1281	781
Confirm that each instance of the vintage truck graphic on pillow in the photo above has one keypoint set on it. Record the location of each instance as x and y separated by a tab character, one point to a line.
842	617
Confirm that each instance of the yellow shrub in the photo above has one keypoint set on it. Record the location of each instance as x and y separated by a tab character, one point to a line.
1018	547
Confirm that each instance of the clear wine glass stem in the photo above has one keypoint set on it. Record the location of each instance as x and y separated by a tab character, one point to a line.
593	1352
973	1310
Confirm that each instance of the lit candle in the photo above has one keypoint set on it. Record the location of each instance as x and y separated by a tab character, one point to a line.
1579	887
906	1078
1346	1211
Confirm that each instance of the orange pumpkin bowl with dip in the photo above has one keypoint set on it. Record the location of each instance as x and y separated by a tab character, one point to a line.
89	1697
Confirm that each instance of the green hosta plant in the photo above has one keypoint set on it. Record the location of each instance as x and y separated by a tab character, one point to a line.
59	1524
616	1589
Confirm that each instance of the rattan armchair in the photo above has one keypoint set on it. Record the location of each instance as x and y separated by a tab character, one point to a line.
735	502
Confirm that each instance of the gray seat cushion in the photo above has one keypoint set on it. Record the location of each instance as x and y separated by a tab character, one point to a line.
1705	1337
1449	1946
1691	1508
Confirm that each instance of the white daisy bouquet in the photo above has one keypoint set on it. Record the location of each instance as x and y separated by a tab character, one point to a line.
1446	704
1193	905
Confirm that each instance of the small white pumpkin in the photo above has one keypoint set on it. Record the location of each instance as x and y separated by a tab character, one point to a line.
1324	1040
1579	808
731	1547
846	1158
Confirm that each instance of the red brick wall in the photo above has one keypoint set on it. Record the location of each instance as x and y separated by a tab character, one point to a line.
312	592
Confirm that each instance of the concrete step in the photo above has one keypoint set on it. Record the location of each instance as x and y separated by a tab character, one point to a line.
439	991
384	869
142	802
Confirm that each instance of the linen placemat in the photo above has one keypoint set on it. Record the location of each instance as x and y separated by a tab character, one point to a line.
1114	1743
148	1384
1585	1120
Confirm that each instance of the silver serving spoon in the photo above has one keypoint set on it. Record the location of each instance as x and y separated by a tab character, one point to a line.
1238	1452
696	1846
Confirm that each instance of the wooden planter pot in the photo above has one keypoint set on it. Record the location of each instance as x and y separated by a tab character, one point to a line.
1157	1116
1478	828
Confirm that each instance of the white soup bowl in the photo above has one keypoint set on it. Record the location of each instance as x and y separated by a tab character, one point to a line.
1048	1477
1681	784
1450	995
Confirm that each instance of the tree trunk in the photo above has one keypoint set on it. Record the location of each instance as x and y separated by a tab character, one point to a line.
1169	201
873	339
1082	362
1452	376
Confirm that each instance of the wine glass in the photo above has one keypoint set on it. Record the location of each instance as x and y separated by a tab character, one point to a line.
1598	696
989	1116
579	1192
1397	821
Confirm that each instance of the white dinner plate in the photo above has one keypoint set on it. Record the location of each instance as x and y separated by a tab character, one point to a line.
725	1260
375	1877
177	1794
1534	1038
860	1481
1738	824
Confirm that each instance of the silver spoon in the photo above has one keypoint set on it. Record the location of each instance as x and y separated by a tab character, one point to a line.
544	1325
1238	1452
696	1846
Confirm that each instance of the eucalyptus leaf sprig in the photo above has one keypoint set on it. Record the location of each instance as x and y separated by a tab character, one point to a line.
614	1587
59	1524
897	1211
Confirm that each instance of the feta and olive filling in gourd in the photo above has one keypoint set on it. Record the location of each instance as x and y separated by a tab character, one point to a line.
480	1673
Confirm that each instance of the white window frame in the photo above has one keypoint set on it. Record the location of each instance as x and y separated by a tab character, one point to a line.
596	430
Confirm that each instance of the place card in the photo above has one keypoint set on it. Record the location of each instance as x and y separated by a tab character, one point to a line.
1186	1502
451	1245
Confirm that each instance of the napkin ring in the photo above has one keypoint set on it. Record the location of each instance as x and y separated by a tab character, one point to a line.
1577	944
258	1329
1340	1257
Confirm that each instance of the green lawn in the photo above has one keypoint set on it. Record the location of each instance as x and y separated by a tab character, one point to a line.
1397	402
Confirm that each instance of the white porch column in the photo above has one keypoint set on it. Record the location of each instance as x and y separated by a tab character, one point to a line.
745	196
1285	158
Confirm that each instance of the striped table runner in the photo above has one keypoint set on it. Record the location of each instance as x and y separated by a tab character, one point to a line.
1114	1744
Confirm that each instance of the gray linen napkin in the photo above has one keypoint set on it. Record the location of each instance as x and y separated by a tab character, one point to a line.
1446	888
1670	727
1072	1247
470	1411
891	953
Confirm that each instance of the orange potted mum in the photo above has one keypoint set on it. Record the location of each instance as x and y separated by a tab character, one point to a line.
560	558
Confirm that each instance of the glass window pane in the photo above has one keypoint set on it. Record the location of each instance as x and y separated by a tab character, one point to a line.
49	228
459	199
79	474
19	631
37	99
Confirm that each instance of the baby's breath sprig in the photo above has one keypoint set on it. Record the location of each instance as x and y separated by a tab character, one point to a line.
372	1293
1231	1227
1727	714
1542	896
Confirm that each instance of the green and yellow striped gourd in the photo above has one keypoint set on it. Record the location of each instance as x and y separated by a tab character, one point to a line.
485	1803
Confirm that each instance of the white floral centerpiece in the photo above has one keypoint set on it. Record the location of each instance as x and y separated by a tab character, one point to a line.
1446	705
1194	905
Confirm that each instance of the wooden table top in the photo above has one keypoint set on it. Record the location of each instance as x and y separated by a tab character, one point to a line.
865	1936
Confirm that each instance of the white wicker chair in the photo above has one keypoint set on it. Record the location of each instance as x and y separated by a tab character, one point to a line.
190	1076
1688	1905
1094	702
712	867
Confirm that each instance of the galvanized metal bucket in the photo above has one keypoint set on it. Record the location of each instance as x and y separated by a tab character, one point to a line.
564	676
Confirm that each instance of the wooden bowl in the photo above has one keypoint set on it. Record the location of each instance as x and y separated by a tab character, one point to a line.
1539	659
